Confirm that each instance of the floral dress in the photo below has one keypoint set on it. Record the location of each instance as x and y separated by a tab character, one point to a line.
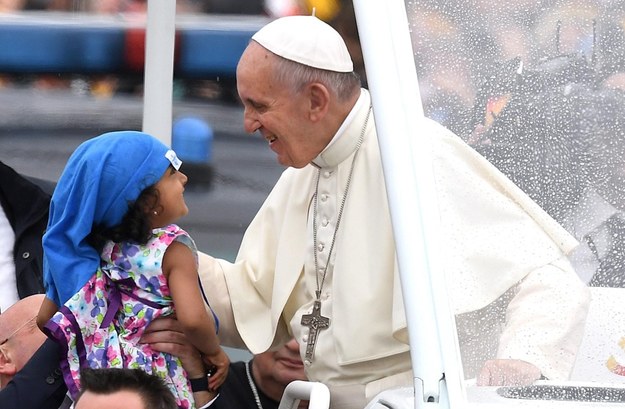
100	326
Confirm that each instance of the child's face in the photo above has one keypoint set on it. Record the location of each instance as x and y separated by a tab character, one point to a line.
171	205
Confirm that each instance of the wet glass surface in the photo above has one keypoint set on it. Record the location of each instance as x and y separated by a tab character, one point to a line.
537	87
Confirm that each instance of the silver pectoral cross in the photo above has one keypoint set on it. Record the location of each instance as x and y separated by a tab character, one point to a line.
315	322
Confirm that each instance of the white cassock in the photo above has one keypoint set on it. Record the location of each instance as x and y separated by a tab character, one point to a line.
495	237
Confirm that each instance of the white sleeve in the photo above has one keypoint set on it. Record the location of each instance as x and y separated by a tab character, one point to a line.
545	319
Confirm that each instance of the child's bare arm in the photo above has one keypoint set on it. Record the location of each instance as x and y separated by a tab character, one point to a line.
180	269
46	311
181	272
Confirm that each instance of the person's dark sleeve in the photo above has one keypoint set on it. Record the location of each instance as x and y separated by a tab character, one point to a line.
39	385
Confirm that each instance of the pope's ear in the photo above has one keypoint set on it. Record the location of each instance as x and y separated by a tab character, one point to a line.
7	366
319	100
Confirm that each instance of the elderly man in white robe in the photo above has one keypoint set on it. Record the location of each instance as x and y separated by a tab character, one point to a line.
318	261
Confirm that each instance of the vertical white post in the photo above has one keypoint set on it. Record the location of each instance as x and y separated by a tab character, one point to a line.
391	75
159	69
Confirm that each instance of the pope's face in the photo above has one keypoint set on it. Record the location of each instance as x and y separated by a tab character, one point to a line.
278	113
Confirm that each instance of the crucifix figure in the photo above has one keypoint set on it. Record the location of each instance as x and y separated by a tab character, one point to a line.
315	322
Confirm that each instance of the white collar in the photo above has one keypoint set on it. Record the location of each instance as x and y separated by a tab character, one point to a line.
345	140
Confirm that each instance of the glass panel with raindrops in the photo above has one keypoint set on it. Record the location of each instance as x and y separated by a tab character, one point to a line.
537	87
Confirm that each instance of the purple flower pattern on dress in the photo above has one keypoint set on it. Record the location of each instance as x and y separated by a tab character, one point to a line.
97	305
150	284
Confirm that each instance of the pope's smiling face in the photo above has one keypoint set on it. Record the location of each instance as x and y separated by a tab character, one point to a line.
279	114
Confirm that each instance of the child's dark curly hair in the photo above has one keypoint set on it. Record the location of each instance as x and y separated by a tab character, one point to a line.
135	226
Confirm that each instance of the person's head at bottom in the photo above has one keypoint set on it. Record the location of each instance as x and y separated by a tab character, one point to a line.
19	336
122	388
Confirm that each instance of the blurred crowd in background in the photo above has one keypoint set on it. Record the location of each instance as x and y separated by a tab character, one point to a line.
459	45
325	9
462	48
338	13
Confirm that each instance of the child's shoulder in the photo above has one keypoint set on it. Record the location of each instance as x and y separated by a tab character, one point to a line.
168	234
170	229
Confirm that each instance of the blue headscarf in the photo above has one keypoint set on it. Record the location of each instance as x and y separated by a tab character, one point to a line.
101	177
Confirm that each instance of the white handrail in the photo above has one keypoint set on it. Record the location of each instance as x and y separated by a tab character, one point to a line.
316	393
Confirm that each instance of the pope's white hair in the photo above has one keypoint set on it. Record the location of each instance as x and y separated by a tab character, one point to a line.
295	76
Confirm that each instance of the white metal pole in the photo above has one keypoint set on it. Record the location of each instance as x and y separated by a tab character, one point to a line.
391	75
159	69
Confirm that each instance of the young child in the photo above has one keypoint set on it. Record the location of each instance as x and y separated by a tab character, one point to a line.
113	262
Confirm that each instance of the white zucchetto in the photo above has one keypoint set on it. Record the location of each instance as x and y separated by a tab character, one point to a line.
306	40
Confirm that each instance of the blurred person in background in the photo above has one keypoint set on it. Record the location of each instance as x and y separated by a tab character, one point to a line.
19	337
527	128
561	138
262	380
25	382
23	219
9	6
24	207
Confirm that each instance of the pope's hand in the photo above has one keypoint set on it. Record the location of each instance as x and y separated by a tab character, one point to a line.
507	372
